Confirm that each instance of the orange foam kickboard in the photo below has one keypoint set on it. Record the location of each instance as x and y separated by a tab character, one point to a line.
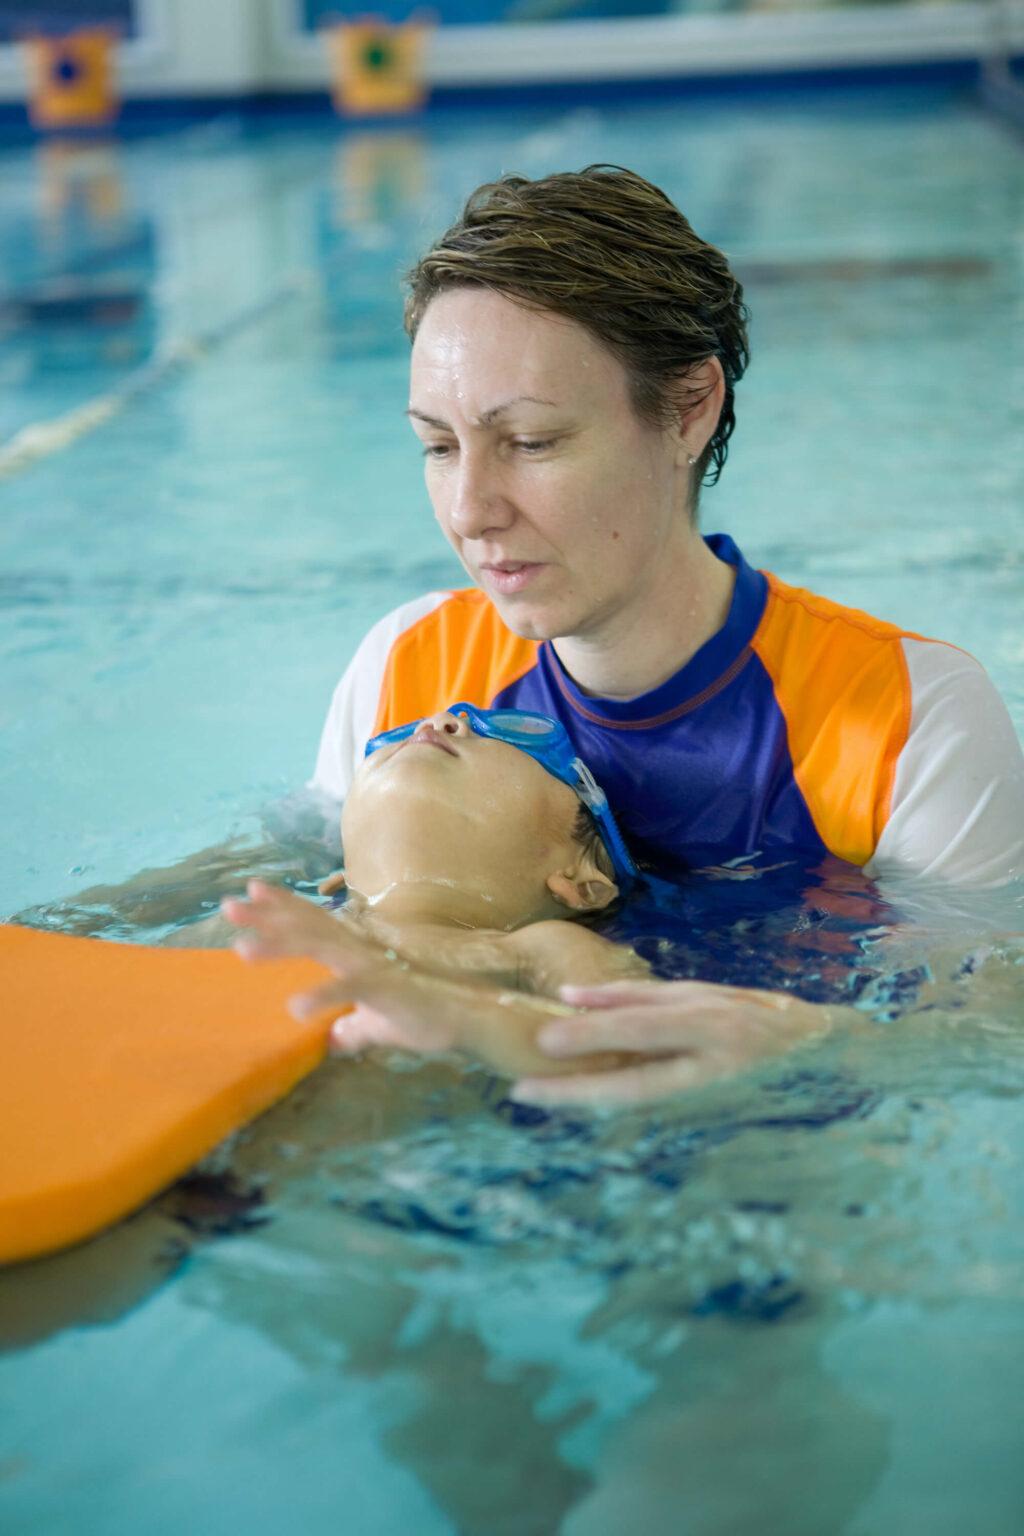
121	1066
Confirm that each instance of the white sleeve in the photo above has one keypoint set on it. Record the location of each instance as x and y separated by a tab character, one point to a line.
350	719
958	796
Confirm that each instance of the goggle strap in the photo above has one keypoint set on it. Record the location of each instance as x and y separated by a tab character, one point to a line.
596	801
590	792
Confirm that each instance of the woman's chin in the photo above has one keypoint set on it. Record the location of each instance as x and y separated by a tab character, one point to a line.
533	621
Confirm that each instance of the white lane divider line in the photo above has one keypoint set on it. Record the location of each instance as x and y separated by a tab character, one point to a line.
42	439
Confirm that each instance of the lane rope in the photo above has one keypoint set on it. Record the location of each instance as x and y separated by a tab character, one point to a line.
42	439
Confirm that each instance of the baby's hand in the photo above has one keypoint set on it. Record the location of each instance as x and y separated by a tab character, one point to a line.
280	923
396	1005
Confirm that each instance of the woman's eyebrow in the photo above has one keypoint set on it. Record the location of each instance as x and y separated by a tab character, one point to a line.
430	421
486	418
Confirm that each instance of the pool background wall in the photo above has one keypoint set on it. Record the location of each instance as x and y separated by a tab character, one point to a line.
188	57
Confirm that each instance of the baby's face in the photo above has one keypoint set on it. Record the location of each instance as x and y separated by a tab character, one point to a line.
448	807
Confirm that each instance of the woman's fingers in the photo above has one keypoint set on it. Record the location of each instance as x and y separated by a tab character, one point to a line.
649	1022
610	994
633	1085
696	1032
683	1016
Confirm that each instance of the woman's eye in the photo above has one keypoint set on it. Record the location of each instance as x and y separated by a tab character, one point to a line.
436	450
534	444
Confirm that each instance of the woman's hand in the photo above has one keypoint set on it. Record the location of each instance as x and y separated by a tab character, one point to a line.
691	1031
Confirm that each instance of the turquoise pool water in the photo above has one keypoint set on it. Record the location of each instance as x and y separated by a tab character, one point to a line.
398	1304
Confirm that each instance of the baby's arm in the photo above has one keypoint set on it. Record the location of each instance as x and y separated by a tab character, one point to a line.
184	891
539	959
558	954
213	932
399	1003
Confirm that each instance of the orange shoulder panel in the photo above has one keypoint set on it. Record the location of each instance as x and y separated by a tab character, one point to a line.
460	651
841	681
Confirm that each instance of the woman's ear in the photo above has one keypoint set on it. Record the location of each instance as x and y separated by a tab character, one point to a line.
332	884
701	397
589	892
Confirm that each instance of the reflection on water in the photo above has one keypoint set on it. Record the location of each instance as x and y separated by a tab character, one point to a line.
77	267
378	179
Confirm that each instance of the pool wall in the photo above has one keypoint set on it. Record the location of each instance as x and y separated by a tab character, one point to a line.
190	57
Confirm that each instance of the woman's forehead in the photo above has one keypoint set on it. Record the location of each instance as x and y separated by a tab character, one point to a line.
475	337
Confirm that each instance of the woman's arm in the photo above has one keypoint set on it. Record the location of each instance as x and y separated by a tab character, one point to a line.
956	808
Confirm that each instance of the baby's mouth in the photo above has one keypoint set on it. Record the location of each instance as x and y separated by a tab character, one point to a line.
429	736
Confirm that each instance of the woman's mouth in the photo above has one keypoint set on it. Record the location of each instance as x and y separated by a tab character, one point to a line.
507	577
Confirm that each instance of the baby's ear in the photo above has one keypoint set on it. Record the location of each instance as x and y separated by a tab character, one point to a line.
583	895
333	883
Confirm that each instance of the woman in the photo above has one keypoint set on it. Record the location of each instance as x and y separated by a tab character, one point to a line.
576	348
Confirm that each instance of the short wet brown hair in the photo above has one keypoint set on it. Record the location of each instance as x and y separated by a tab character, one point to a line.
607	249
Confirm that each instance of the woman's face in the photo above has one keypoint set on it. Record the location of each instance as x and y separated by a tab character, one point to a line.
558	500
446	807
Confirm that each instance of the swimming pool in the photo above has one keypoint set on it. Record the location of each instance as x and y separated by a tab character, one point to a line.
399	1303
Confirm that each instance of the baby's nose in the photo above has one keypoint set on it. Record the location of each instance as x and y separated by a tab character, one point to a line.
448	724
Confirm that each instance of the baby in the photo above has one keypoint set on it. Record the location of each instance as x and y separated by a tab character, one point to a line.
469	838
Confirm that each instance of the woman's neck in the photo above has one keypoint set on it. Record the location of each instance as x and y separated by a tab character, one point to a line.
650	641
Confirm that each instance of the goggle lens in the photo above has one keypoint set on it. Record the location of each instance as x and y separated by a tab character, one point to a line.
513	725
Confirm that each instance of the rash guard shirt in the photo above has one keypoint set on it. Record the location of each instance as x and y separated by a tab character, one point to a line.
800	724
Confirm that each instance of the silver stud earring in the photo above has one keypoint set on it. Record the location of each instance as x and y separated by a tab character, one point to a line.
691	459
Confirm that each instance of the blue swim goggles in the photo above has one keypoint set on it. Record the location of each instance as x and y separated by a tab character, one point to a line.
547	742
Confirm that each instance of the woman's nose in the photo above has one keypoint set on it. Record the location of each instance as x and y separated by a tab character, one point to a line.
477	503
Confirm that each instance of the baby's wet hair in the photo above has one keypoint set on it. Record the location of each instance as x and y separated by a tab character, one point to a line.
587	833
